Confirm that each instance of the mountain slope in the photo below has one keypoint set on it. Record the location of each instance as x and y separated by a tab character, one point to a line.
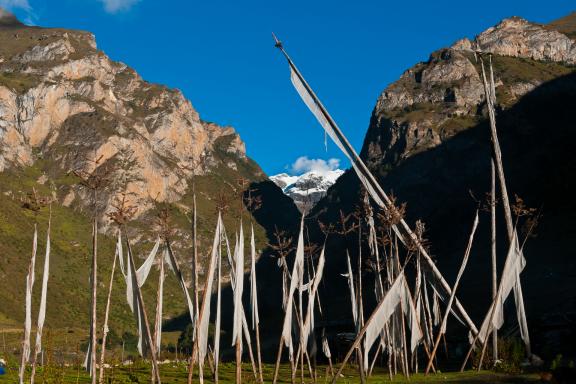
65	107
428	143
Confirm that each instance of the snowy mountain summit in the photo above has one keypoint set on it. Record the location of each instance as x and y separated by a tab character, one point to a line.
307	189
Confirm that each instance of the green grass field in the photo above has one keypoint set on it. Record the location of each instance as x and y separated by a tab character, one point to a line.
172	372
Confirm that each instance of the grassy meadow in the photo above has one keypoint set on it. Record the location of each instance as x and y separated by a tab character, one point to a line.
177	373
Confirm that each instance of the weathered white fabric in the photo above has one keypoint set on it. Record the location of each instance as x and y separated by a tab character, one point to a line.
309	322
353	303
326	347
295	282
521	313
204	319
217	325
42	309
159	304
172	262
382	313
253	284
29	287
144	270
138	311
238	290
119	253
141	274
513	266
413	318
87	364
436	308
245	329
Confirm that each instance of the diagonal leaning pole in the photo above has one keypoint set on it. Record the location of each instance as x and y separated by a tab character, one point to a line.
373	187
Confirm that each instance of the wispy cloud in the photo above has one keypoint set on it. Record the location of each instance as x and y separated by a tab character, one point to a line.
24	5
115	6
303	164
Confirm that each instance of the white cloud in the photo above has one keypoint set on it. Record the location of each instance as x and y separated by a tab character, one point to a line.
303	164
115	6
12	4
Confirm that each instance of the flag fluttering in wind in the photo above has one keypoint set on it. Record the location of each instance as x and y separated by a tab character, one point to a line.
309	322
253	285
204	319
28	306
514	264
295	283
398	294
238	290
42	309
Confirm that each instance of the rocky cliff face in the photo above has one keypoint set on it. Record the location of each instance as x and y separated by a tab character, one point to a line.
429	145
64	101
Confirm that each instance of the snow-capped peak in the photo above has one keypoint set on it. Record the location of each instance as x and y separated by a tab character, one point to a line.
307	189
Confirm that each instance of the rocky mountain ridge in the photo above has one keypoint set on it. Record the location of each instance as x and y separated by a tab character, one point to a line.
433	101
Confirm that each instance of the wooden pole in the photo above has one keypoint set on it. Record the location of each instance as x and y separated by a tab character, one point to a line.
360	305
385	201
158	317
260	374
195	260
105	327
278	357
493	251
250	353
94	282
238	360
497	155
454	289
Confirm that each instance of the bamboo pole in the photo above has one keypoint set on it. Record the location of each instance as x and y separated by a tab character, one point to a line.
106	315
454	289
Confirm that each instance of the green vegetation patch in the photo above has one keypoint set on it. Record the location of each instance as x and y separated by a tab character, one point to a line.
19	82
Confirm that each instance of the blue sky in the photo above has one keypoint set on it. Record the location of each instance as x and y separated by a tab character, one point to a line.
221	55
